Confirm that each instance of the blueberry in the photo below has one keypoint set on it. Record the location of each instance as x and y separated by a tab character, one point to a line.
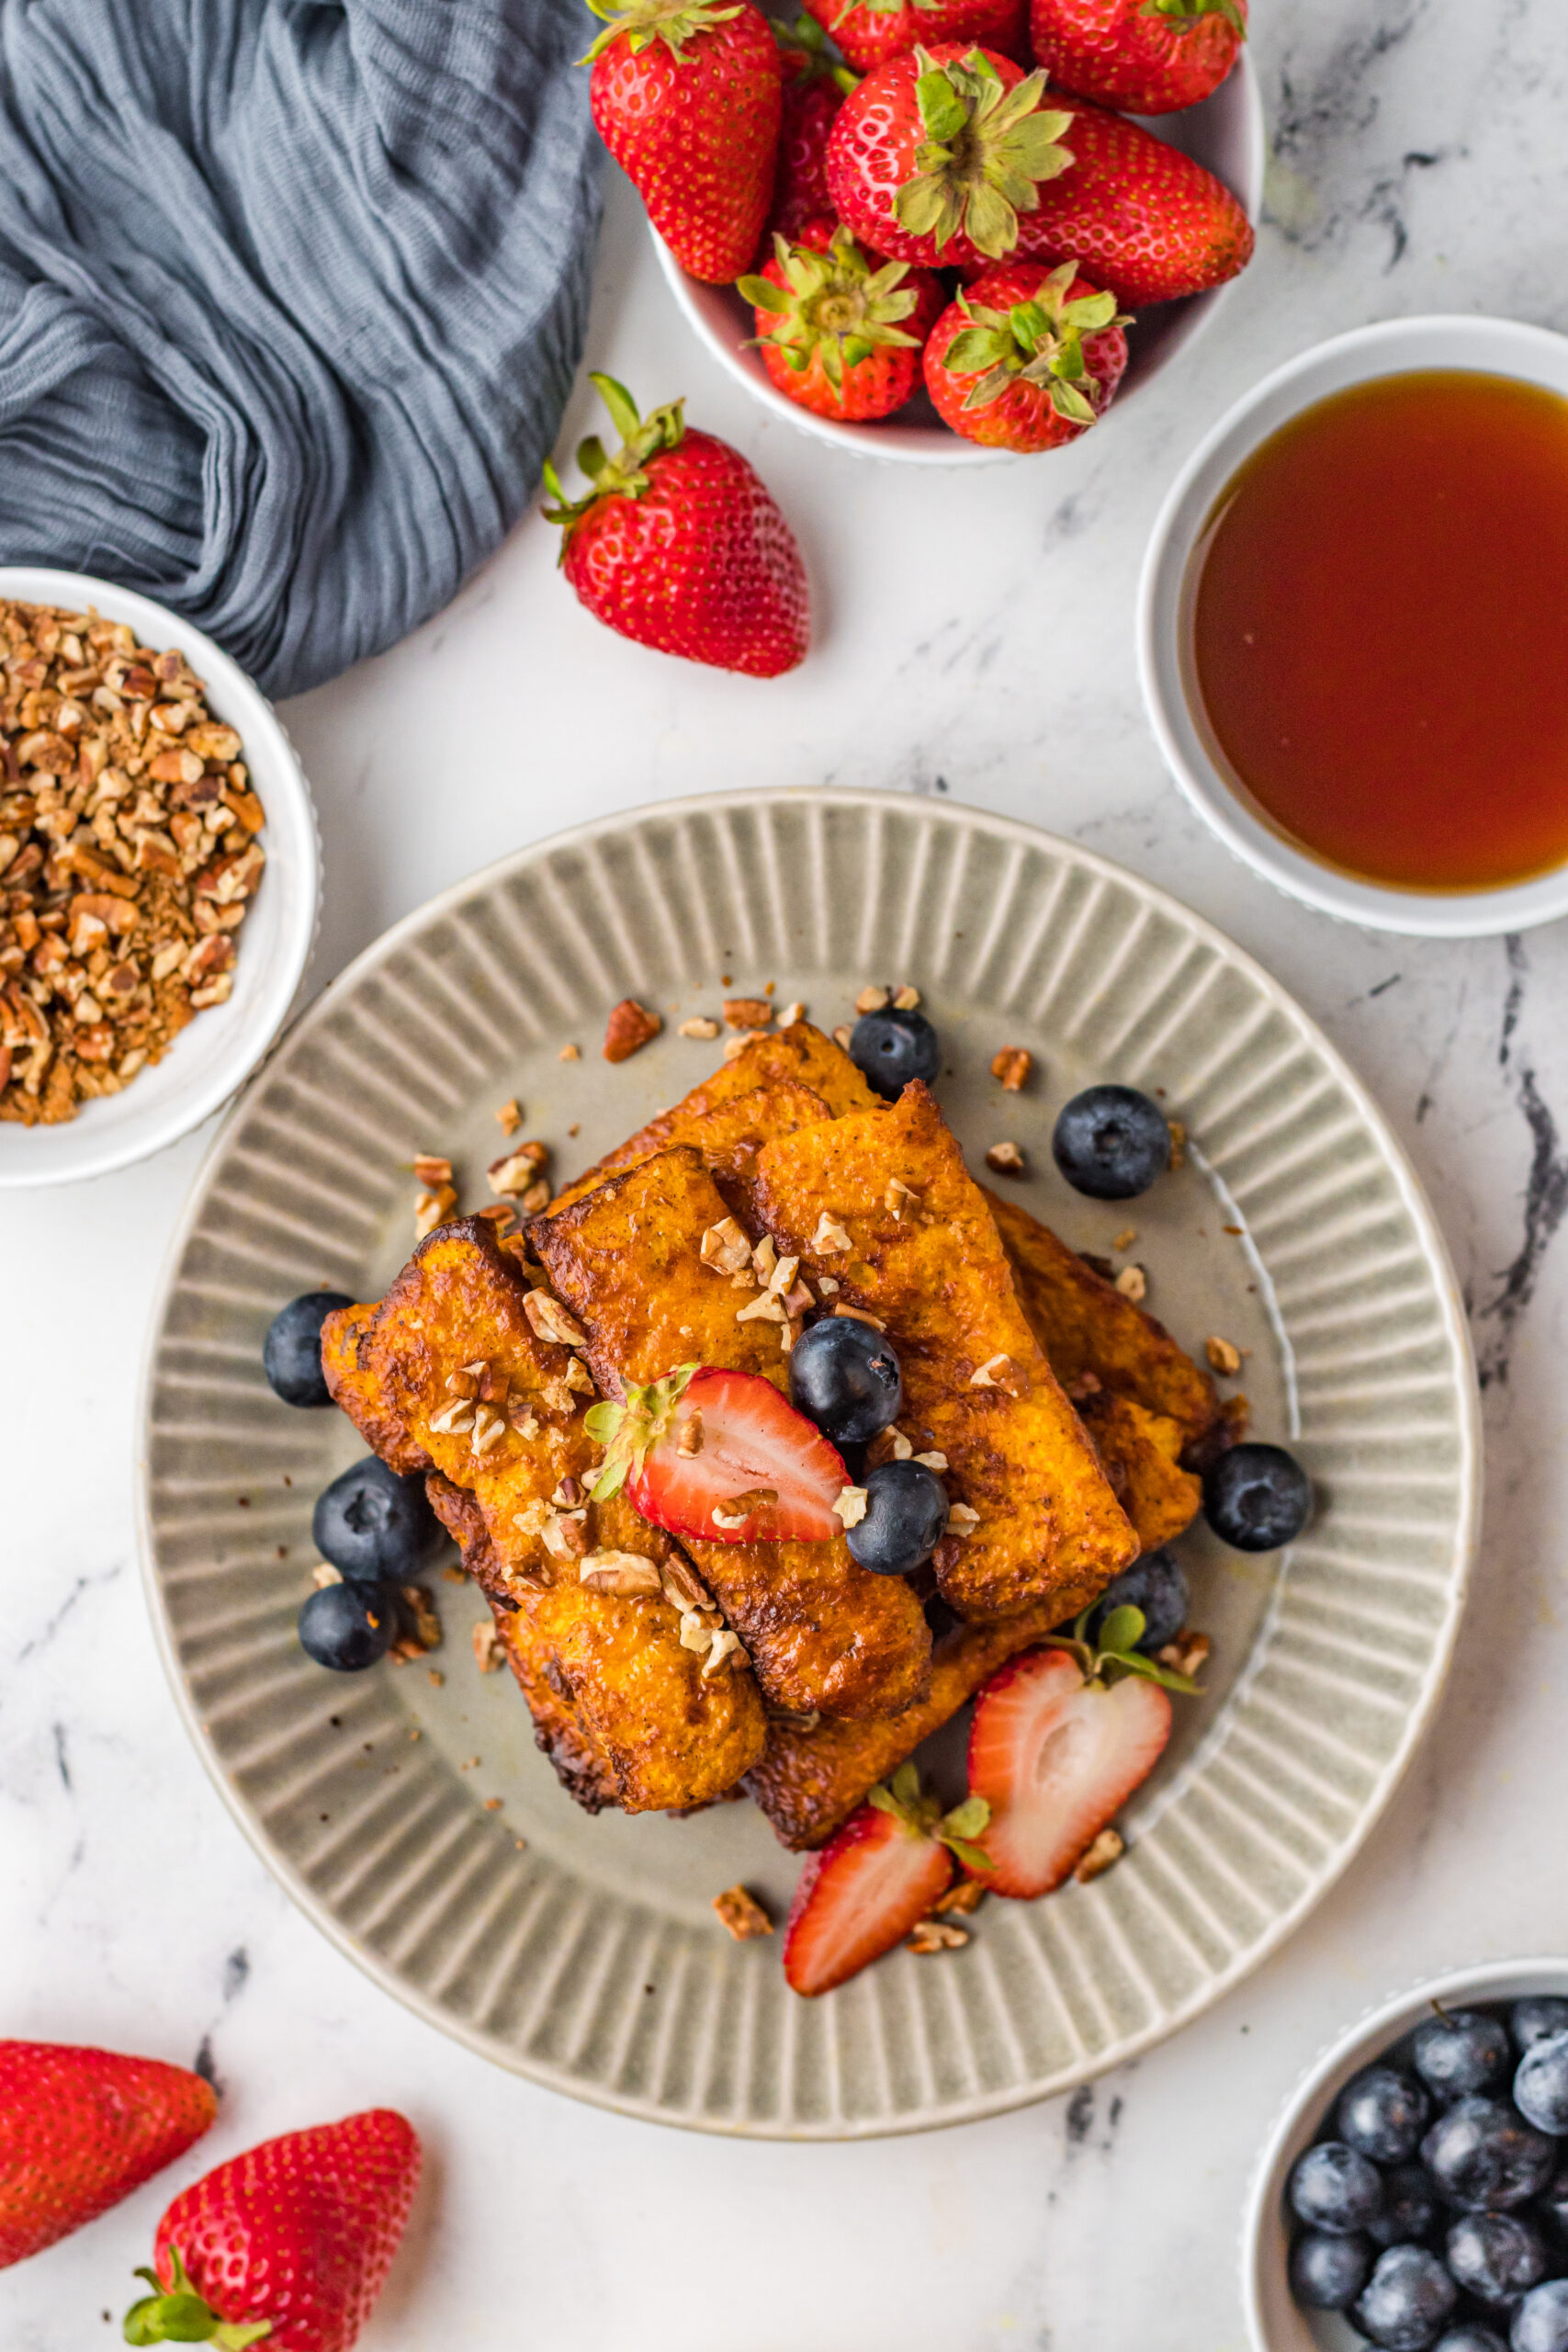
1541	2085
1486	2158
1540	2324
291	1352
372	1525
1553	2204
1534	2017
1469	2336
1334	2188
1383	2114
1460	2050
845	1377
906	1510
1112	1142
1328	2273
1158	1585
1404	2302
1257	1498
892	1047
346	1626
1496	2257
1409	2207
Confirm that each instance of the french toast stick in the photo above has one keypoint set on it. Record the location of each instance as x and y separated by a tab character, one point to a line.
1140	1453
452	1324
881	1205
810	1783
627	1260
799	1055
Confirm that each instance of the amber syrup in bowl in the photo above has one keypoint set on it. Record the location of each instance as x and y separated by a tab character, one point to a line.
1378	632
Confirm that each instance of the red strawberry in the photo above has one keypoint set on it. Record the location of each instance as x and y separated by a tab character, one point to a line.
679	546
939	151
1056	1754
290	2242
722	1455
814	90
79	2130
1140	217
687	96
874	1881
841	329
1026	357
870	31
1145	56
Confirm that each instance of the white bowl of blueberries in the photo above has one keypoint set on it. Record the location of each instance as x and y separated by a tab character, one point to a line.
1415	2193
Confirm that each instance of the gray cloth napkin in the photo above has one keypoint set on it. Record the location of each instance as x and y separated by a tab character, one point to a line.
291	294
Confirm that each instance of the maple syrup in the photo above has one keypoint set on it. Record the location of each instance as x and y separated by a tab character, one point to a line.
1380	629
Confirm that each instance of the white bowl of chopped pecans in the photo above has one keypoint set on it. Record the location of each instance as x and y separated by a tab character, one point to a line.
160	876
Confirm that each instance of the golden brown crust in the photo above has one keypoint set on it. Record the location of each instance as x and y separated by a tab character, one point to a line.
1089	1331
627	1260
671	1738
799	1056
1140	1453
925	1259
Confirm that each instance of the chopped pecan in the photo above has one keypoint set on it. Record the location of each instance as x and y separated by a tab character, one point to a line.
628	1029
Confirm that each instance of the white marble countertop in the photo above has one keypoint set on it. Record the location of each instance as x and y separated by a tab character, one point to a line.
973	636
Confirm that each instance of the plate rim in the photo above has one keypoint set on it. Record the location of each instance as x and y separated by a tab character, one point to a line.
1470	1465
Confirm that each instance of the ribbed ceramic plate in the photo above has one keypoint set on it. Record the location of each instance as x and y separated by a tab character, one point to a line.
411	1816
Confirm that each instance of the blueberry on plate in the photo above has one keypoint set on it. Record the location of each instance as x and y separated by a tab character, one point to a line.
1158	1585
844	1376
1535	2017
1409	2207
892	1047
1404	2302
1540	2324
1334	2188
1257	1498
1383	2114
906	1510
1541	2085
1460	2050
1469	2336
372	1525
1111	1142
1496	2257
1553	2204
1486	2158
291	1352
347	1626
1328	2273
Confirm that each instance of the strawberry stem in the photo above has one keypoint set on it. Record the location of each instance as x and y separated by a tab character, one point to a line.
624	474
675	22
176	2314
1116	1652
985	152
1183	13
1039	342
630	1428
832	303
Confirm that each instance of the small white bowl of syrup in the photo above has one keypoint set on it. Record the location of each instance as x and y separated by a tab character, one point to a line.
1351	627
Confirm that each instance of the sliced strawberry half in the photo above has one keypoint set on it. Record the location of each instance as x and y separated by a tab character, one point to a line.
720	1456
874	1881
1055	1755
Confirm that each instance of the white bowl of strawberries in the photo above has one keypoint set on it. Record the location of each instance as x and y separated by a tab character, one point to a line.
949	259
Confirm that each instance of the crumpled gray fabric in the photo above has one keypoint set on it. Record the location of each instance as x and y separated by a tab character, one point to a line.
291	294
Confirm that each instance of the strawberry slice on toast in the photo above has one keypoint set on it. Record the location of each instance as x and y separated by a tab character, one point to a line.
874	1881
720	1455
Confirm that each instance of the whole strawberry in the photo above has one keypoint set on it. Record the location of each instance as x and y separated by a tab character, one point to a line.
1141	218
939	152
841	329
1026	359
79	2130
290	2242
687	97
814	88
870	31
1142	56
679	546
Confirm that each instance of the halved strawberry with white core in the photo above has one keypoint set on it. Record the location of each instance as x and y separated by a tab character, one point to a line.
1055	1755
874	1881
721	1455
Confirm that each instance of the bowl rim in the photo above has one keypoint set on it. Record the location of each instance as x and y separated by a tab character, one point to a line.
293	840
887	441
1479	342
1263	2233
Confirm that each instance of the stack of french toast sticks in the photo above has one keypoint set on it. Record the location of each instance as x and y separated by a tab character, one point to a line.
663	1676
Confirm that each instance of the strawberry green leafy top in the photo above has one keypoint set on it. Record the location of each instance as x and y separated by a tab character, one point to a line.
834	303
630	1430
1183	13
1116	1653
1039	342
177	2314
985	152
904	1799
621	476
675	22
